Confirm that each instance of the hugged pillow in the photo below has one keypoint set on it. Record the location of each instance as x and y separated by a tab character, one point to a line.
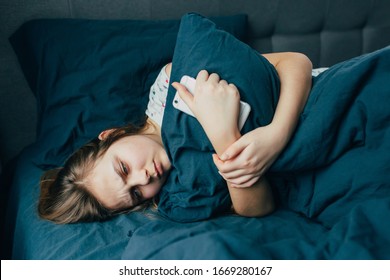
194	190
88	75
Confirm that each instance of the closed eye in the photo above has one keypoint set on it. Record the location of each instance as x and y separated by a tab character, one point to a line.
136	194
124	168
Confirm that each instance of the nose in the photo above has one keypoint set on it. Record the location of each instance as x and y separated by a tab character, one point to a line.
142	178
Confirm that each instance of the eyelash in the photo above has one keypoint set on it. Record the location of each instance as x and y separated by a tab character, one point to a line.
137	194
125	171
124	168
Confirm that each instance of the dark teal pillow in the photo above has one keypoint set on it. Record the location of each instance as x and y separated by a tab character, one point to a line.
194	189
88	75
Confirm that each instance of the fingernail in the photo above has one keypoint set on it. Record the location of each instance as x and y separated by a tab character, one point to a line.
221	174
224	157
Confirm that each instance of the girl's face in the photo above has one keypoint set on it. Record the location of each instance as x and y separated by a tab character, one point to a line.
132	170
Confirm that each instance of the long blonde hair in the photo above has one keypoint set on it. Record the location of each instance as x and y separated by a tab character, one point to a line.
64	196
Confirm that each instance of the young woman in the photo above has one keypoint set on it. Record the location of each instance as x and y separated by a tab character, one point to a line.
115	173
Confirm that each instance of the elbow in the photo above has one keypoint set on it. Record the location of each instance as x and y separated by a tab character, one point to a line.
256	212
298	59
303	59
295	62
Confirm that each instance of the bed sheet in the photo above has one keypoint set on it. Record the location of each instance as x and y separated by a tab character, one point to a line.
286	234
147	235
34	238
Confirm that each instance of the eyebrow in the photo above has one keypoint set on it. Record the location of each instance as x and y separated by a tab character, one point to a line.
118	170
119	173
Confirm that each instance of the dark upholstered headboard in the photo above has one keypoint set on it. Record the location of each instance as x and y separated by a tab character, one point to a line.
328	31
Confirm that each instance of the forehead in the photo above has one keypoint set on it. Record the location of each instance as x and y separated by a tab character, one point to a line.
129	139
131	146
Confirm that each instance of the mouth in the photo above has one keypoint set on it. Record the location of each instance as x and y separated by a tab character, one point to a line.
158	169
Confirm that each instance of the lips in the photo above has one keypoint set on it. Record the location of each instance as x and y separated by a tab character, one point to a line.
158	169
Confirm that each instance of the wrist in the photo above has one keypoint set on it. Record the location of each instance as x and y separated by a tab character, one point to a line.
281	134
222	140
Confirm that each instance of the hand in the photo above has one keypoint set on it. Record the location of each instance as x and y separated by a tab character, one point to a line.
246	160
216	105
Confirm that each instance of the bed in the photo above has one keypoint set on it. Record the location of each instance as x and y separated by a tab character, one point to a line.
332	182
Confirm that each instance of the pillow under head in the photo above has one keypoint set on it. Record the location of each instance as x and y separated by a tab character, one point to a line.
89	75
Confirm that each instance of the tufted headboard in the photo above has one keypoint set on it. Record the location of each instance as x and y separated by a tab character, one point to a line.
328	31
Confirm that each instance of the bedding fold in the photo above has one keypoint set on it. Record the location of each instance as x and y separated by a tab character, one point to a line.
338	158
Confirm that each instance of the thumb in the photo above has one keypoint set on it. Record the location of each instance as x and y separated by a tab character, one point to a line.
233	150
184	94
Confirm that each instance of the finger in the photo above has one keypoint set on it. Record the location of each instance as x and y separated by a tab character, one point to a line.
228	166
183	93
248	184
202	76
247	168
223	82
222	176
214	77
240	180
234	150
244	181
219	163
216	160
233	86
237	173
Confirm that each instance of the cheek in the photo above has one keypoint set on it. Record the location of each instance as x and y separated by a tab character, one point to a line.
154	189
157	188
136	157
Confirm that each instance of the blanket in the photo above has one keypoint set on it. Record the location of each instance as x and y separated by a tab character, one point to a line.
332	182
338	161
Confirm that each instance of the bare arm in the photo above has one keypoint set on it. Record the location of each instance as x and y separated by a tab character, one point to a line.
237	152
216	106
246	160
294	70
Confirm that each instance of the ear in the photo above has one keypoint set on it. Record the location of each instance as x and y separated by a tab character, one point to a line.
104	134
